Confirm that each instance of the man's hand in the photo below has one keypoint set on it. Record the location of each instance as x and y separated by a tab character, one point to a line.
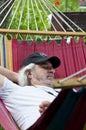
43	106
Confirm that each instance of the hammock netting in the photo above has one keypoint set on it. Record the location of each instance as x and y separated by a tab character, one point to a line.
34	15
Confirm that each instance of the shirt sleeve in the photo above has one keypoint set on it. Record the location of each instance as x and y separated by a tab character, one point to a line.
7	88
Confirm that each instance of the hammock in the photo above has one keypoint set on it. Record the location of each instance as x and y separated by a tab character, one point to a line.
6	120
62	114
12	53
12	58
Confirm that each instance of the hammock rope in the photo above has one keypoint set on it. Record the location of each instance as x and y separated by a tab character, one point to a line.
44	9
1	6
6	13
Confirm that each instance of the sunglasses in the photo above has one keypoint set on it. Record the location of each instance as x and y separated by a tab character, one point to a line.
45	66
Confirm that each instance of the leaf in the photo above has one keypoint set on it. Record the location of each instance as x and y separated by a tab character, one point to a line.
1	128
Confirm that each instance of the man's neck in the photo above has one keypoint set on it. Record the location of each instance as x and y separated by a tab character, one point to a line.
42	84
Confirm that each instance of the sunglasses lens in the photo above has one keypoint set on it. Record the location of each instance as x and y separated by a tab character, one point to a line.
45	66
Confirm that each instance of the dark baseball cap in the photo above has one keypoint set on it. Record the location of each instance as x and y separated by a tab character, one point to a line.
39	57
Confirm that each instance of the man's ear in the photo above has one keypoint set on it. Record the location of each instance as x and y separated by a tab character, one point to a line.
28	73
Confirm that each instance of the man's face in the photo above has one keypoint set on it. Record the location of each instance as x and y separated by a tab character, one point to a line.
44	73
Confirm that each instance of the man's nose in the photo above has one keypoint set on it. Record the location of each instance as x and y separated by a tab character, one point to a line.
51	69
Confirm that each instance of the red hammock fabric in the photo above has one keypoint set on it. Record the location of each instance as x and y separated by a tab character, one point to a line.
5	118
78	118
73	58
67	112
73	55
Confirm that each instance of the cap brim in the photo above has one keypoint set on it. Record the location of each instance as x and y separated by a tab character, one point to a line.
55	61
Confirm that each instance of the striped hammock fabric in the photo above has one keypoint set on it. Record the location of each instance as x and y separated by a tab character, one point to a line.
14	51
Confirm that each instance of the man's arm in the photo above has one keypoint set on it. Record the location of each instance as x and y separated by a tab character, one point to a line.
1	80
13	76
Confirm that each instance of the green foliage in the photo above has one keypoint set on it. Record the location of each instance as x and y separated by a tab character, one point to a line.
1	128
32	16
69	6
22	14
23	17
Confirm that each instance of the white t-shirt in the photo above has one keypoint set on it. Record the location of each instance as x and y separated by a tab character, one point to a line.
23	102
